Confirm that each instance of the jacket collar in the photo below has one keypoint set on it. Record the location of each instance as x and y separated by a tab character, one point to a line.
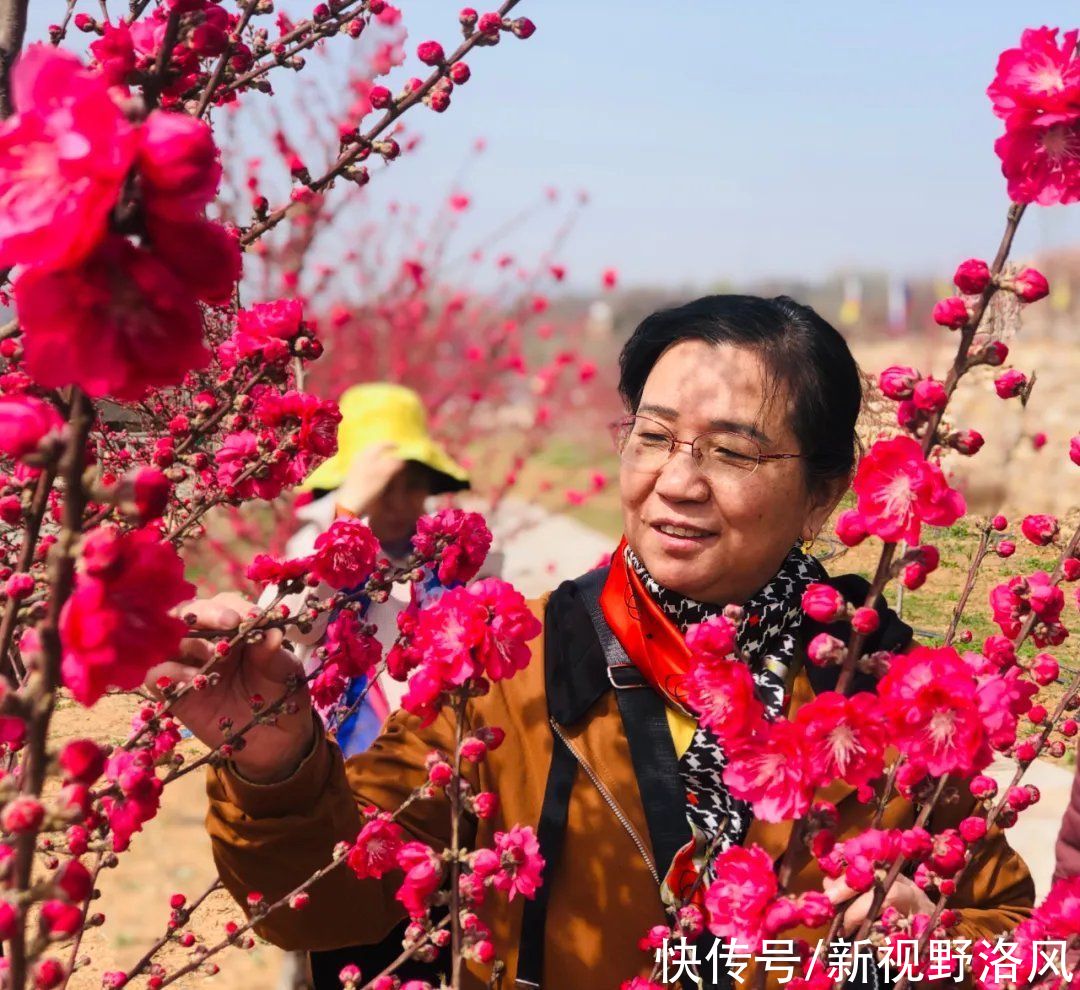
575	670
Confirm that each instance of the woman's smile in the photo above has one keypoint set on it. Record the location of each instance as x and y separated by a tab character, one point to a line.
682	538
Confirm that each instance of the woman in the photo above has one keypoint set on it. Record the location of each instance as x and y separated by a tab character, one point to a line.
742	442
386	468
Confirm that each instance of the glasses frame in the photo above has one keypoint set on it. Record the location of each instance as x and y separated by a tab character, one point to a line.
618	424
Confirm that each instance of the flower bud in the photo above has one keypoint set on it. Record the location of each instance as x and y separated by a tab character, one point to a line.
473	750
60	918
82	761
1039	529
897	382
349	976
1026	751
824	649
1010	384
823	603
999	522
522	27
485	804
851	528
914	576
1005	549
865	621
9	917
1030	285
440	774
929	395
19	586
22	814
430	53
966	442
973	828
972	276
951	312
1018	798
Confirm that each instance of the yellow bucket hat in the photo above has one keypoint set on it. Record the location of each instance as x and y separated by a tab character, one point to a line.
382	412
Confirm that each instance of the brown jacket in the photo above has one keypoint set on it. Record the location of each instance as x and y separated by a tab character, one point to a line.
604	892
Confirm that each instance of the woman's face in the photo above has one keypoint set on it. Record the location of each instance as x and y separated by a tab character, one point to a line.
394	514
747	524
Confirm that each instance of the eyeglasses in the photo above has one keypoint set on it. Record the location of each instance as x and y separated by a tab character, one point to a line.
646	445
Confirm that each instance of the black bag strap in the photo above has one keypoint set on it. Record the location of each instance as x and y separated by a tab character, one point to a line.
652	752
550	833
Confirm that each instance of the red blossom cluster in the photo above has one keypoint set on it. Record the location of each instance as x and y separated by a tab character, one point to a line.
1036	91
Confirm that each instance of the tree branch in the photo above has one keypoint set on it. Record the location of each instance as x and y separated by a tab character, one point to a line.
12	32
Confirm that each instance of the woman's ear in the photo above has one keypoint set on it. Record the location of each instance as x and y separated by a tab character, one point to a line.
822	505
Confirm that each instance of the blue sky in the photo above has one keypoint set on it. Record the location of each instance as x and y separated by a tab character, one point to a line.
722	140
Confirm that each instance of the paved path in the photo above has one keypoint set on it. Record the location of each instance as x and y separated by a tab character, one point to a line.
540	550
1035	832
543	550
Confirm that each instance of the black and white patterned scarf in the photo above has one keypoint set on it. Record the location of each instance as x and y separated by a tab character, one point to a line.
767	636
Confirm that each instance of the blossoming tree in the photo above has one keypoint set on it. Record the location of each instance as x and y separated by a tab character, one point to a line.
139	395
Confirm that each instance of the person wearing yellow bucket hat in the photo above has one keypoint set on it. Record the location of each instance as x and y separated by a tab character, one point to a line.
386	468
379	413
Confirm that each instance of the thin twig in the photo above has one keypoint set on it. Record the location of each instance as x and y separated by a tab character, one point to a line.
12	33
969	584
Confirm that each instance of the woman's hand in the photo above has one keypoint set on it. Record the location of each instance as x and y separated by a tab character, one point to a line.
369	473
902	895
270	752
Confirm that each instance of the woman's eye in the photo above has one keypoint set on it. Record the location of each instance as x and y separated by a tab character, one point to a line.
653	439
722	453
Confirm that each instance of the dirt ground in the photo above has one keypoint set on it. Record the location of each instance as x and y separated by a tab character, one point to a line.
171	855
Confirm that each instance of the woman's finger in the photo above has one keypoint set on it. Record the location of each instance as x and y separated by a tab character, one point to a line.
856	914
178	672
210	613
194	652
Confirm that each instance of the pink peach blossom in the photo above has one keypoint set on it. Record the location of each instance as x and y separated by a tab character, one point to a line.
24	422
117	623
63	160
737	901
1040	159
178	164
461	541
117	325
1040	75
521	864
345	554
898	490
772	771
375	852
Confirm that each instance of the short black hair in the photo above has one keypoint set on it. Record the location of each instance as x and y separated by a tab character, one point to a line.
797	347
